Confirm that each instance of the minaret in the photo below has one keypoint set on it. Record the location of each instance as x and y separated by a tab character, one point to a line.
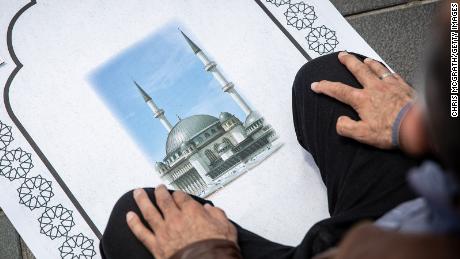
211	66
157	112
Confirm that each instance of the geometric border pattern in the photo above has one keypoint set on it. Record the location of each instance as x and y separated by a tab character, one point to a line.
15	164
77	247
278	3
35	192
322	40
302	16
56	221
5	136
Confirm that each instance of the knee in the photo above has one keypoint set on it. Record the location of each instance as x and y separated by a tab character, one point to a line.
127	203
327	67
310	108
126	200
315	65
118	240
314	71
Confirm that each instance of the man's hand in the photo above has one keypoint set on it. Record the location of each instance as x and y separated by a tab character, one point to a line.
184	221
377	104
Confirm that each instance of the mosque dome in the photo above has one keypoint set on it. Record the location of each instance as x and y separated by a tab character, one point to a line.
252	117
184	145
224	116
186	129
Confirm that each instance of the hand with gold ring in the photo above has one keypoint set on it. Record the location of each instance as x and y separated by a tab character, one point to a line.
379	103
383	76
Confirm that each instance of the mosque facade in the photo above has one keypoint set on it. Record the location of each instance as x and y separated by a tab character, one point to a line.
204	152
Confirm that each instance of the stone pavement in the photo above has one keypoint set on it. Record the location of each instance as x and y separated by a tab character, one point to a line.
398	30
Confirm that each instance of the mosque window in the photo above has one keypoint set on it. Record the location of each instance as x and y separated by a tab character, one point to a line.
210	155
228	142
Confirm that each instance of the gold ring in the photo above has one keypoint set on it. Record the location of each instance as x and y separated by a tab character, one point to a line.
386	75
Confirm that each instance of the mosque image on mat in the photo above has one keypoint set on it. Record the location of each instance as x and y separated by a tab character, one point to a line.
203	152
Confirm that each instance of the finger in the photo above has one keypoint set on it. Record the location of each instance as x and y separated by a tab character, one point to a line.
349	128
361	71
148	210
215	212
339	91
141	232
378	68
165	201
331	253
181	198
400	79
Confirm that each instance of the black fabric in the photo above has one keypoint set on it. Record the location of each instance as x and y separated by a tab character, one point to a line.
118	242
362	182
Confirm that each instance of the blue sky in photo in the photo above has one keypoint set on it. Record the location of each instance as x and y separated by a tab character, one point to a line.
165	66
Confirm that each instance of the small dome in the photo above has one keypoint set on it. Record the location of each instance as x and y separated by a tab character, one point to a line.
186	129
224	116
252	117
222	147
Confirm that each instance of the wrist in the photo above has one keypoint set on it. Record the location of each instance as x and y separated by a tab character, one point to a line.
398	122
209	249
413	137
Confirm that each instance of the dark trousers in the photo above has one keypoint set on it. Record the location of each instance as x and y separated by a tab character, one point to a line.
362	182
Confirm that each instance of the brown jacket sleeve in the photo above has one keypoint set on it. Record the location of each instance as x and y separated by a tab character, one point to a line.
209	249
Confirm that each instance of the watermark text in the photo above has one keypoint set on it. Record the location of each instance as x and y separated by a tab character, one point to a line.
454	60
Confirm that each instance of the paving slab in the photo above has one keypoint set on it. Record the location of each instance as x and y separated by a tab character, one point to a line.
347	7
399	35
26	253
9	240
